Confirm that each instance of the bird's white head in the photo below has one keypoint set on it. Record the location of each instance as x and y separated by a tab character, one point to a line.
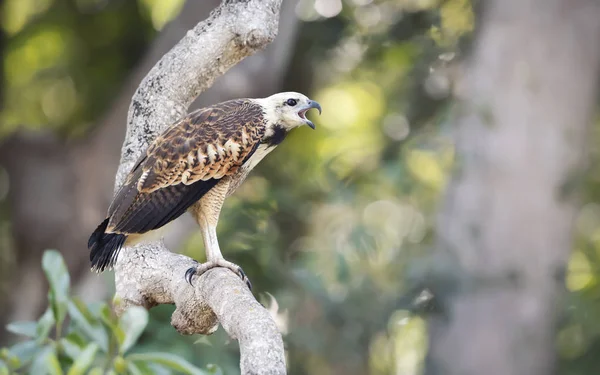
288	109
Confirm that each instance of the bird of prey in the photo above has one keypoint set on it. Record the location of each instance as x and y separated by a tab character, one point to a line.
193	166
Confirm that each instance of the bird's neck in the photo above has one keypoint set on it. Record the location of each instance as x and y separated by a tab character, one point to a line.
274	136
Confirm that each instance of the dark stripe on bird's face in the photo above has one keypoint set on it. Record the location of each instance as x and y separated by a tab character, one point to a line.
279	134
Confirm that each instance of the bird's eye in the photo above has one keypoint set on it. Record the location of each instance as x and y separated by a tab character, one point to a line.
291	102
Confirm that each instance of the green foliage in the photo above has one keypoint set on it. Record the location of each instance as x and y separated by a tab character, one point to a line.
72	338
64	59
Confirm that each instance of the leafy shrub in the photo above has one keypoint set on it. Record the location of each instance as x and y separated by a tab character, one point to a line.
74	338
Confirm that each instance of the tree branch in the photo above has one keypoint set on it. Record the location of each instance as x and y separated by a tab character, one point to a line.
148	274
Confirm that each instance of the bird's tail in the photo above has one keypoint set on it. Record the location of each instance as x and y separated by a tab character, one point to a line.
104	247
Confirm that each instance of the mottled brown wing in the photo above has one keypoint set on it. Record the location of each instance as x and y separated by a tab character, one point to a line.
184	163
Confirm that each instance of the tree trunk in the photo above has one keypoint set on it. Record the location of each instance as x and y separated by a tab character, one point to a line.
504	233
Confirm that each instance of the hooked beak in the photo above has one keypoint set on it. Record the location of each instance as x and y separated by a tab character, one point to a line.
311	104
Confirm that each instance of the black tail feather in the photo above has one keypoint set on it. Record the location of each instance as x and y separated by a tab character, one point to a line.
104	247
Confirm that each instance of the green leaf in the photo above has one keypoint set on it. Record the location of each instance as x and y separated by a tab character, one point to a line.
133	369
89	325
132	322
58	278
148	368
22	328
44	325
10	358
4	368
25	351
84	361
72	344
46	363
111	322
69	348
169	360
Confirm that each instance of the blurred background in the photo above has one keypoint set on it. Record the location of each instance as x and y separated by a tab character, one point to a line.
331	228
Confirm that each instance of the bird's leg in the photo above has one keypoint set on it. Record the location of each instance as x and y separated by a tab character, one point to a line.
206	212
214	258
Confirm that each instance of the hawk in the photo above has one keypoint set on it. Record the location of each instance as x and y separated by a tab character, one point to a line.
193	166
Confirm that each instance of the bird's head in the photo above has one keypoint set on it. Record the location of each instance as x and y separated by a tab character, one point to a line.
288	109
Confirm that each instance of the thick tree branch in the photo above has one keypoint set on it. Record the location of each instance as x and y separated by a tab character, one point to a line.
149	274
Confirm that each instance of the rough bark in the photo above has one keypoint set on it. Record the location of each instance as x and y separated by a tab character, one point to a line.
148	274
523	113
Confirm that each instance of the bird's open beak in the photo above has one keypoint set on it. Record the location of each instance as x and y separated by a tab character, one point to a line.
311	104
